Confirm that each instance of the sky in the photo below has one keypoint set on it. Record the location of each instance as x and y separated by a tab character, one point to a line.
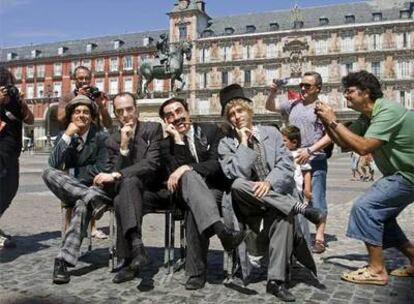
25	22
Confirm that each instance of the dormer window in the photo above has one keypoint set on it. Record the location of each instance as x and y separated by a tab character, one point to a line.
90	47
62	50
298	24
405	14
117	44
207	33
11	56
250	29
229	30
349	19
148	41
376	16
274	26
35	53
323	21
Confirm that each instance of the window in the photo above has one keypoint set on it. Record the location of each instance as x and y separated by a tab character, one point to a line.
405	99
40	71
90	47
349	68
99	83
128	85
321	47
203	80
57	69
204	55
40	90
74	65
224	78
29	91
113	67
403	69
182	29
246	52
323	21
271	50
57	89
30	71
226	53
86	63
250	29
158	85
99	65
376	42
11	56
274	26
35	53
62	50
247	77
349	19
405	14
229	30
128	63
113	86
18	73
376	16
118	44
347	44
376	69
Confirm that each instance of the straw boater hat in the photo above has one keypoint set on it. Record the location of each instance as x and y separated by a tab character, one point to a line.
80	100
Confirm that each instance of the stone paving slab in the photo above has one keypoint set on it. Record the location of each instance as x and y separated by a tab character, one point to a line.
35	220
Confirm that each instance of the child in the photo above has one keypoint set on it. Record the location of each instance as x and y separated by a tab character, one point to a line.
355	159
303	173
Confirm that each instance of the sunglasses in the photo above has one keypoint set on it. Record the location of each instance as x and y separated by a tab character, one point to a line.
306	86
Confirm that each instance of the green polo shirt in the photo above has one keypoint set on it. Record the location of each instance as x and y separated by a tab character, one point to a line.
393	124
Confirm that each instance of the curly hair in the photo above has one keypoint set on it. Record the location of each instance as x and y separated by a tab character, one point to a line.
246	105
364	81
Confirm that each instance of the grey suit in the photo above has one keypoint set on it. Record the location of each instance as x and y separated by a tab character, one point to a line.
238	163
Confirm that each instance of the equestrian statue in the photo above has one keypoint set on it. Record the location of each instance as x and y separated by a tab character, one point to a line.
168	64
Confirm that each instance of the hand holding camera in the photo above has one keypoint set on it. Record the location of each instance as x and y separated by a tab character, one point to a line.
91	92
278	83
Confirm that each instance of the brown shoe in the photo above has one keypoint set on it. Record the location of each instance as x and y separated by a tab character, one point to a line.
318	247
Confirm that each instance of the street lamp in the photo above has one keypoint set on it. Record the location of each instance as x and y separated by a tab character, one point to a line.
49	95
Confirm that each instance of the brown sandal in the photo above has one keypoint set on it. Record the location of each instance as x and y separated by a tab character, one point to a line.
404	271
363	276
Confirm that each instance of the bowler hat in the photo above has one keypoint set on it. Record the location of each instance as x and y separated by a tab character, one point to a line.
227	94
80	100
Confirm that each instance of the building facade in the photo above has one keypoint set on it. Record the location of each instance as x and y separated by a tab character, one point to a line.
251	49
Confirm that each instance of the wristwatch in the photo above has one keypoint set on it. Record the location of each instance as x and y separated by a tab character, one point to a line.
116	175
333	124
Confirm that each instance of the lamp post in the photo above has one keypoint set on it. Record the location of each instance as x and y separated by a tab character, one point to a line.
49	95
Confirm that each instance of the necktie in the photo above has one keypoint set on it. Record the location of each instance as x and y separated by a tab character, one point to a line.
260	165
190	142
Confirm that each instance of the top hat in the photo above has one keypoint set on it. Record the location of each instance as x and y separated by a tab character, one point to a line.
227	94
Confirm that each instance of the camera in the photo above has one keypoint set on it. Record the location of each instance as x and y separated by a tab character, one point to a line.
92	92
281	82
12	91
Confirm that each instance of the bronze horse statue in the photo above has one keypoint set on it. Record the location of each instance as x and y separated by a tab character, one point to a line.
151	69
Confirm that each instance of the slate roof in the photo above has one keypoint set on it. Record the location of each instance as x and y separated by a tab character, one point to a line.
78	47
310	16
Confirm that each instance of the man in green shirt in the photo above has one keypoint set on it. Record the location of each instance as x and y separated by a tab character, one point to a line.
384	129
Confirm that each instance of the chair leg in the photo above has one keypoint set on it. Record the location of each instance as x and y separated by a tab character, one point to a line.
172	243
167	242
183	246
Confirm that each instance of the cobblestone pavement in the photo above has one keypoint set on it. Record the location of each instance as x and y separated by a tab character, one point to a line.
35	220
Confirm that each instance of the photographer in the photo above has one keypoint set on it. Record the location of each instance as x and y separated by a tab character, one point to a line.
82	77
13	112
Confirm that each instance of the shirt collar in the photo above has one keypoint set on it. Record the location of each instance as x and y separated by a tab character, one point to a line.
190	132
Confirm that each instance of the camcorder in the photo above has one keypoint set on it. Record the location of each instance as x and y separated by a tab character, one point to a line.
92	92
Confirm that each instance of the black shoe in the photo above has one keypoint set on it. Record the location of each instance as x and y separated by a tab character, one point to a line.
125	274
60	272
230	238
314	215
280	290
139	258
195	282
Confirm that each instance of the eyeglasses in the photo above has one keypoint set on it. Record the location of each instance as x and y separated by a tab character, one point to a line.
306	86
349	91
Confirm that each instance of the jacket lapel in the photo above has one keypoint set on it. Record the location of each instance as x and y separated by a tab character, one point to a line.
268	144
89	147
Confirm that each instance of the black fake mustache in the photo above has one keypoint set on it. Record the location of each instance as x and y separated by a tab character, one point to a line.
180	121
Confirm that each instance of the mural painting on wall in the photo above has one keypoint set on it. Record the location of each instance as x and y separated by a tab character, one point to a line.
389	42
296	49
259	102
215	52
389	67
237	75
260	49
237	52
260	76
214	78
334	99
215	106
389	93
362	65
360	43
334	72
334	43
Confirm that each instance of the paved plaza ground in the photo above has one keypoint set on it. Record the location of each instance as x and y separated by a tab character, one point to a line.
35	220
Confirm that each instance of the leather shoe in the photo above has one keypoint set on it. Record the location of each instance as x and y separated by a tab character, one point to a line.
139	258
280	290
230	238
125	274
195	282
60	272
314	215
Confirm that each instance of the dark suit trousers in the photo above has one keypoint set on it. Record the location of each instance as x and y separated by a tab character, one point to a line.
9	182
204	212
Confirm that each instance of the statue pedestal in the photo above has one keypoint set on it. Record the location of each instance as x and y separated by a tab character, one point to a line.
148	108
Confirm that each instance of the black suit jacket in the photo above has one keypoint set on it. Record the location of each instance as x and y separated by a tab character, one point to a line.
143	159
206	140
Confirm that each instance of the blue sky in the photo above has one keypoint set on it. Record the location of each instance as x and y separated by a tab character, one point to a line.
25	22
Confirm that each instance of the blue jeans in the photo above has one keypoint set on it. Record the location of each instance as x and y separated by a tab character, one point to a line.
319	170
373	215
